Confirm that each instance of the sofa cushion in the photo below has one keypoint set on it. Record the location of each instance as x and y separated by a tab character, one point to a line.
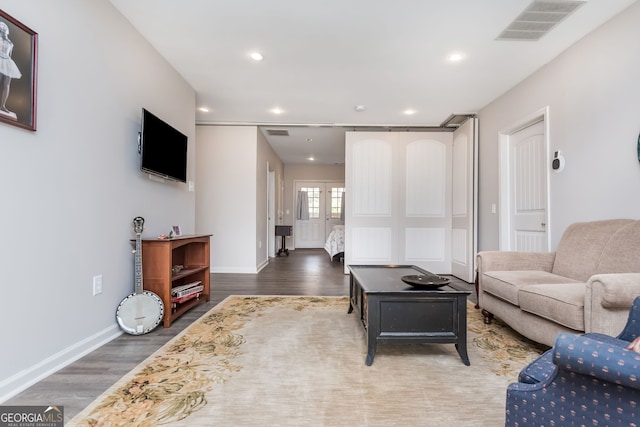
622	252
582	244
560	303
507	284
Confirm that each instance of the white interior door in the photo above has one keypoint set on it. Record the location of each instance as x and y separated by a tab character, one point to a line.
524	161
398	208
325	209
333	207
464	201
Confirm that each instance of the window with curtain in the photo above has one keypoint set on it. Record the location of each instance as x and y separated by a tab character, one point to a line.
336	202
313	198
302	206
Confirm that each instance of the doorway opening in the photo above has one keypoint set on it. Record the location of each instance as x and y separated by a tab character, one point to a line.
319	208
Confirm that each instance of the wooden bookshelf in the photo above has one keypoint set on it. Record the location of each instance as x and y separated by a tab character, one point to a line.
159	256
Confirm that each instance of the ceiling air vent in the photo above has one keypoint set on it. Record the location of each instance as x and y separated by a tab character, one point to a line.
540	17
278	132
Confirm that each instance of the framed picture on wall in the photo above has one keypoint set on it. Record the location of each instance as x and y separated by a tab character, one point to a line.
18	72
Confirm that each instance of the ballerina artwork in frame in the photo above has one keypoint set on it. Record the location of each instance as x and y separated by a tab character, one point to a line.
18	70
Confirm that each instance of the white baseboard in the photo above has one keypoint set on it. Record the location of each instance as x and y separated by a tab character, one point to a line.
234	270
263	265
28	377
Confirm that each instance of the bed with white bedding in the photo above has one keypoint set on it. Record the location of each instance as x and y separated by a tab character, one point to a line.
335	242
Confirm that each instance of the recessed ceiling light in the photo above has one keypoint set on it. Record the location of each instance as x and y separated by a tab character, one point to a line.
204	109
409	112
256	56
309	139
360	108
455	57
277	110
311	159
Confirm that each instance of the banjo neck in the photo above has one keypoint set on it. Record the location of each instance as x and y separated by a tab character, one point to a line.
138	223
141	311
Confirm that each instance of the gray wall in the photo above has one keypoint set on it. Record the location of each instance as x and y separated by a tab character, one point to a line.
231	195
226	195
593	94
71	189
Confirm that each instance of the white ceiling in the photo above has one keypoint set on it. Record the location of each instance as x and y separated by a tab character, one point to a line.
321	59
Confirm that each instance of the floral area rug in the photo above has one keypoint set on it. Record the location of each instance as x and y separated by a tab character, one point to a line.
299	361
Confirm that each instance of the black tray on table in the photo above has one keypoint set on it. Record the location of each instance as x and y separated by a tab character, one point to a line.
423	281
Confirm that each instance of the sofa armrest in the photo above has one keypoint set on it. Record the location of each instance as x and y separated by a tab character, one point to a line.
594	383
586	356
514	261
608	298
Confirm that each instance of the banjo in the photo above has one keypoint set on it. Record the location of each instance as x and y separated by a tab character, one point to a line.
141	311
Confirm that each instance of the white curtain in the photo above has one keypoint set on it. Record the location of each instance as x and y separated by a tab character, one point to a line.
302	207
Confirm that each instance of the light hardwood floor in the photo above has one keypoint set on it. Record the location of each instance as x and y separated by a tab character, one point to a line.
304	272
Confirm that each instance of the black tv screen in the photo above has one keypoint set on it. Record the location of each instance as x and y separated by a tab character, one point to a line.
163	149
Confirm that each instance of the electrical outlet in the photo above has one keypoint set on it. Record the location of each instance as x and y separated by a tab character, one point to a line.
97	285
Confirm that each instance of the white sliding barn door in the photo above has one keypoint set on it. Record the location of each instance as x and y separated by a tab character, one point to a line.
464	203
399	199
371	200
424	193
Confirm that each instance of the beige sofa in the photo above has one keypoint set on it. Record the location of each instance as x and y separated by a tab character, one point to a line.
587	285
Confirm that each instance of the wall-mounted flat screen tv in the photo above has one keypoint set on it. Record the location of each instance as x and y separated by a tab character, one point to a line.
163	149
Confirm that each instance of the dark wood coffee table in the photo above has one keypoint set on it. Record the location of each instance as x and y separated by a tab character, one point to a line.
392	311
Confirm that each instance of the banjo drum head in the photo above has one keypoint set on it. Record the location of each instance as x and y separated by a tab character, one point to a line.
140	313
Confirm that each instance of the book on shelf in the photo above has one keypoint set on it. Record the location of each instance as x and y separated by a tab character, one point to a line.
180	300
186	289
183	293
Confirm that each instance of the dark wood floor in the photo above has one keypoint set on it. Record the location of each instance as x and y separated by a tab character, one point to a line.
304	272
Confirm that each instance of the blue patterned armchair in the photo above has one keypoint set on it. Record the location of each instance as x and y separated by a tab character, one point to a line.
584	380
